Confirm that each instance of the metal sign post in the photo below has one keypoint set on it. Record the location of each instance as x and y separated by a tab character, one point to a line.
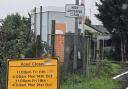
76	41
75	11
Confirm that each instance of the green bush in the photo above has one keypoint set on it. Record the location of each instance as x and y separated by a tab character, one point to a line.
69	78
108	68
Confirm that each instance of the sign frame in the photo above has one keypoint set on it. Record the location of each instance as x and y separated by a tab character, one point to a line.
20	59
69	12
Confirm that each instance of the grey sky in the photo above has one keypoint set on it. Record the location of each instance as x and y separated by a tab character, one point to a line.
24	6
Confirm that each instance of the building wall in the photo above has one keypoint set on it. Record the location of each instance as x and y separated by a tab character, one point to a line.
45	26
47	17
63	25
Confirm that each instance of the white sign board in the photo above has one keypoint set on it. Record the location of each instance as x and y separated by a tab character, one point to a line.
74	10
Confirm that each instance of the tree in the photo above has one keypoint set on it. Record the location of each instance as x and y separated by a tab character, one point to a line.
17	37
16	41
114	16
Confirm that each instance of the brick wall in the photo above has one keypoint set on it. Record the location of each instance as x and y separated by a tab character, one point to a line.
59	40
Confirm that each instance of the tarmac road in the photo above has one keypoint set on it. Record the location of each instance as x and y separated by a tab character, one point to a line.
124	78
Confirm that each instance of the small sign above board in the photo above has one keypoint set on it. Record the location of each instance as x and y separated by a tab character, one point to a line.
73	10
33	74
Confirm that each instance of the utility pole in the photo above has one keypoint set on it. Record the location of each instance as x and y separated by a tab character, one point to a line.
35	38
41	23
76	41
35	23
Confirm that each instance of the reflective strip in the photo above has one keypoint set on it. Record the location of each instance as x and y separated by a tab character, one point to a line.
120	75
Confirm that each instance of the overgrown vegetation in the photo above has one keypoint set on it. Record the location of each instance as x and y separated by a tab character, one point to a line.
18	40
108	69
102	81
88	83
114	16
17	37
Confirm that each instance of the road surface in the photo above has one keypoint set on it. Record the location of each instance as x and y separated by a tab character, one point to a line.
124	78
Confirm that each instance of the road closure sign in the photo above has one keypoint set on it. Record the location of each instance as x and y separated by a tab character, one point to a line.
33	74
74	10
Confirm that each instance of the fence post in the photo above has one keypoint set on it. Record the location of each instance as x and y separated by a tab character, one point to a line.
0	75
68	52
98	57
53	37
84	56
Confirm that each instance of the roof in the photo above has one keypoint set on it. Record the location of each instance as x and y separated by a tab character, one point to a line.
89	28
54	8
49	8
101	28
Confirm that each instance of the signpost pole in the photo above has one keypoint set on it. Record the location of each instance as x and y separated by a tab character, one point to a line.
76	41
75	11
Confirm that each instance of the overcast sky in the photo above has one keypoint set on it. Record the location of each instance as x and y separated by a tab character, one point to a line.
24	6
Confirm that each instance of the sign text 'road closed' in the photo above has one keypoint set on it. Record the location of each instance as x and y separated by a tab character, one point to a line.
33	74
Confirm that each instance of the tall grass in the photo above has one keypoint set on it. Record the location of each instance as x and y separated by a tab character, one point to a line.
87	83
103	81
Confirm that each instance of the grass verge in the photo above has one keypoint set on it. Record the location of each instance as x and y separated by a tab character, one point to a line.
103	81
81	82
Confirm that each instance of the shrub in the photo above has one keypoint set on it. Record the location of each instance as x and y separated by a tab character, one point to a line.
109	69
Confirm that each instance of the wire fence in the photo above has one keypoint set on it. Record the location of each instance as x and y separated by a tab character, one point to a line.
64	50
